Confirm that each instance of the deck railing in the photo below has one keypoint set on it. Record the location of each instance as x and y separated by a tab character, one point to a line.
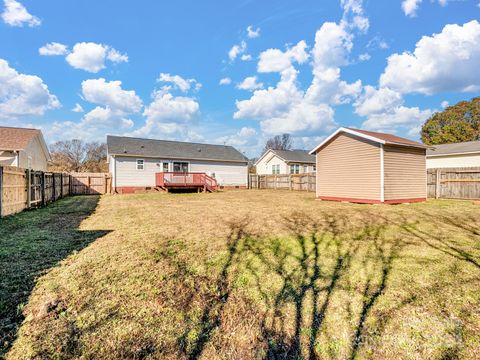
190	179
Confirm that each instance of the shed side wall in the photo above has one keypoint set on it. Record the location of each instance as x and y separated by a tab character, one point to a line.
405	173
349	167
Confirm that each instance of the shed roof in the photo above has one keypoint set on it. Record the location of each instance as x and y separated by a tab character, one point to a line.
381	138
455	149
128	146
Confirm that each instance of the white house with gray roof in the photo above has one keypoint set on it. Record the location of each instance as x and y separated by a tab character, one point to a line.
464	154
134	162
285	162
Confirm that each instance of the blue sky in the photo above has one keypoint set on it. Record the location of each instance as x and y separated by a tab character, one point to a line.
234	72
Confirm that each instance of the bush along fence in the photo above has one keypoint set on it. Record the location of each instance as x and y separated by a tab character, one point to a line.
22	189
454	183
299	182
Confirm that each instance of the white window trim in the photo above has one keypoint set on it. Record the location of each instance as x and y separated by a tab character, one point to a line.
143	164
180	161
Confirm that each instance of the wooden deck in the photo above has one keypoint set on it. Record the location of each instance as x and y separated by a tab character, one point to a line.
194	181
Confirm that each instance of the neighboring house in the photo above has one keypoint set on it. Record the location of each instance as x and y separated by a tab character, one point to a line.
24	148
133	162
285	162
370	167
465	154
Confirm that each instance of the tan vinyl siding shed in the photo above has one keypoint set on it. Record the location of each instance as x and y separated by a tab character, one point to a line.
368	167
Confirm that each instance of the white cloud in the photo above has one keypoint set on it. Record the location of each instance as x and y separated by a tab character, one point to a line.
237	50
250	83
447	61
286	107
377	42
22	95
384	109
15	14
78	108
91	56
246	57
410	7
275	60
364	57
111	94
444	104
251	33
115	103
53	49
225	81
180	83
245	136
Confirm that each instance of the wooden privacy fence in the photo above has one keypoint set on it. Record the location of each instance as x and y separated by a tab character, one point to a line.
299	182
454	183
22	189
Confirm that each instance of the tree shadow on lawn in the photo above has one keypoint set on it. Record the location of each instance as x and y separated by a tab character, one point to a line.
32	242
321	258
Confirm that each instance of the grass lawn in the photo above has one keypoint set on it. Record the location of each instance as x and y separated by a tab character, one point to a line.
240	275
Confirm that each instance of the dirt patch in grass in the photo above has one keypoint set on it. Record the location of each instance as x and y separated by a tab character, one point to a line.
262	274
30	244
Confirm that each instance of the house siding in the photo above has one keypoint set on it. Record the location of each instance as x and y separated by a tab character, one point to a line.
405	173
349	167
453	161
125	172
34	150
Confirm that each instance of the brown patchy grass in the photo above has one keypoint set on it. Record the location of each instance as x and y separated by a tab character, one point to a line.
261	274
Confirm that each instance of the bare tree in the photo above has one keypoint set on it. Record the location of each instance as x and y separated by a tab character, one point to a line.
279	142
76	155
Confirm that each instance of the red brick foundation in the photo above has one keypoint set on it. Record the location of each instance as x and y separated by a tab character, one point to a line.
370	201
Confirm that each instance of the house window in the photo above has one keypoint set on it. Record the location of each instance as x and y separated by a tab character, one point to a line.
140	164
165	167
295	169
276	169
314	168
180	166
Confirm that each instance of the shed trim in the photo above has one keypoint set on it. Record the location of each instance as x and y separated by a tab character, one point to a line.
382	173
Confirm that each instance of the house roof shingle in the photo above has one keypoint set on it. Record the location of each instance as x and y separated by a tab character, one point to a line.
12	138
457	148
299	156
128	146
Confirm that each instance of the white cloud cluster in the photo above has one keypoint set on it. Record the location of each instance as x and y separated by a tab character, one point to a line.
15	14
22	95
447	61
253	33
286	107
168	115
384	109
225	81
410	7
250	83
78	108
53	49
237	50
88	56
246	136
115	104
179	82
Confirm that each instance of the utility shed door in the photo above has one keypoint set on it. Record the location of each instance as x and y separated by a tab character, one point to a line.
405	173
349	167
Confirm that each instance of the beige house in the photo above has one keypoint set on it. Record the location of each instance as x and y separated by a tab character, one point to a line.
285	162
370	167
458	155
24	148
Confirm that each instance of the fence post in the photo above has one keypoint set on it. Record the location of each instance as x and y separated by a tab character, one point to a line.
54	187
1	190
29	188
42	183
290	182
61	185
437	184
